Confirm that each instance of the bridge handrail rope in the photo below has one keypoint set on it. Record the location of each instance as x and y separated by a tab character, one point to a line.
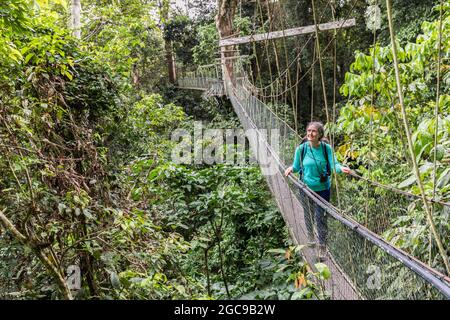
399	191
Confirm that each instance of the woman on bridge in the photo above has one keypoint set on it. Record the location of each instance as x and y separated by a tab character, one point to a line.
314	160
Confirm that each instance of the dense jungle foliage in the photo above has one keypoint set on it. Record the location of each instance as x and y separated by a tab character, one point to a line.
86	175
87	179
371	130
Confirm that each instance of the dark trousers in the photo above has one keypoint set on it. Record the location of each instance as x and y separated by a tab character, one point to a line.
314	213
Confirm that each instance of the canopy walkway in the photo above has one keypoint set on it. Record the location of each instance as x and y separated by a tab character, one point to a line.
363	265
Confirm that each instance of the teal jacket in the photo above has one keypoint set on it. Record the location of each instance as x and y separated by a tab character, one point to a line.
311	174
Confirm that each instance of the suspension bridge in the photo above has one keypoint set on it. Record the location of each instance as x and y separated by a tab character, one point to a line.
363	264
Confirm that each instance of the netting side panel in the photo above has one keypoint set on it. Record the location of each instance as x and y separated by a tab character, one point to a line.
398	218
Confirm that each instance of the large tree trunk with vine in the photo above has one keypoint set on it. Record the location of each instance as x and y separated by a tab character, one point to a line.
224	25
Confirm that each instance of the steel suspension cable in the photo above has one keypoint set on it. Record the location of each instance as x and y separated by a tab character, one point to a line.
265	45
325	100
438	86
298	55
258	67
372	104
325	48
278	79
289	79
436	116
312	81
336	184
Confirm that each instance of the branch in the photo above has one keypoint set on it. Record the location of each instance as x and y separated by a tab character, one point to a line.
8	225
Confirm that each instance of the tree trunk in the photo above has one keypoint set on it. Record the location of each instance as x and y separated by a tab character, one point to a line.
224	25
164	6
76	18
170	62
208	281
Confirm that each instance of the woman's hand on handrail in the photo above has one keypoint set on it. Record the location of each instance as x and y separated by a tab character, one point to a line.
346	170
288	171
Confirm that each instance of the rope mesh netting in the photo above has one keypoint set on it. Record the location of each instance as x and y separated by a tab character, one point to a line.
392	215
363	265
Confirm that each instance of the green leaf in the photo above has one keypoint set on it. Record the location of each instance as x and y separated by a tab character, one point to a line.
115	281
279	251
444	178
406	183
282	267
68	75
323	270
87	213
302	294
28	57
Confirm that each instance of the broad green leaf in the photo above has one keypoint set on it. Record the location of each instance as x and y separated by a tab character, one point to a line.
444	178
28	57
323	270
280	251
305	293
406	183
